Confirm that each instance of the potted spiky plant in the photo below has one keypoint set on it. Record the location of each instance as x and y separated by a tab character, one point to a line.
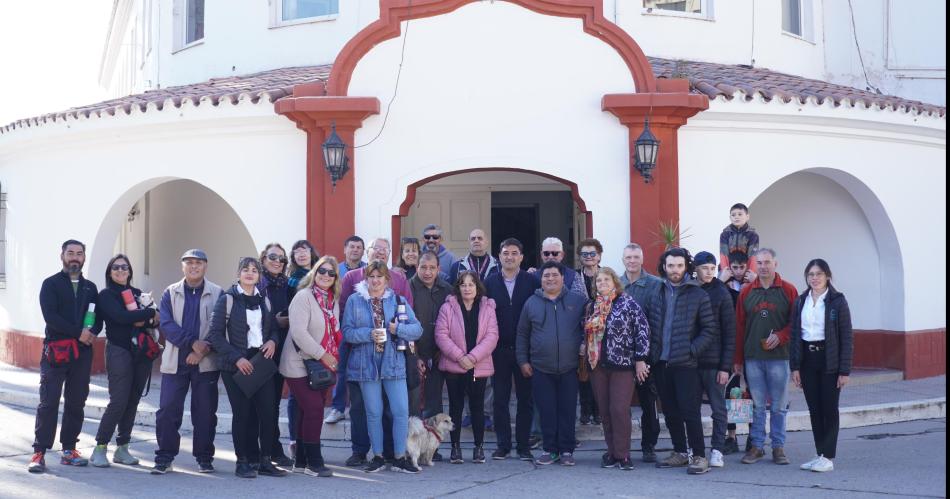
670	236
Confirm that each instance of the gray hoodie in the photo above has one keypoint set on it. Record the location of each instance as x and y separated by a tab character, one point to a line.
550	332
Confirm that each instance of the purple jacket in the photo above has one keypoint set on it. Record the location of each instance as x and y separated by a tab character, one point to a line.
450	337
397	282
627	336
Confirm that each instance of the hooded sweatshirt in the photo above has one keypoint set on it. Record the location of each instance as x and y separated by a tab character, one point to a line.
550	332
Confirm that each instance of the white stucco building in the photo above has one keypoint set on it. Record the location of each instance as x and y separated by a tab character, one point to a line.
516	116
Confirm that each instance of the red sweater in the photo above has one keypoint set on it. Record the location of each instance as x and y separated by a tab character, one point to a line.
784	334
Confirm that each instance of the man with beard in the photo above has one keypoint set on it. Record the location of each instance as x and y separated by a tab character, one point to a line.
65	297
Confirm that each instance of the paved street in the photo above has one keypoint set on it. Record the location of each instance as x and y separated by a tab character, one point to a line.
896	460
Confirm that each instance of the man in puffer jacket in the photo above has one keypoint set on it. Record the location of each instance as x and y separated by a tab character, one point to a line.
716	362
548	350
682	328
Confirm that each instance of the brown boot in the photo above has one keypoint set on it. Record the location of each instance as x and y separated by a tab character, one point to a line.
753	455
778	456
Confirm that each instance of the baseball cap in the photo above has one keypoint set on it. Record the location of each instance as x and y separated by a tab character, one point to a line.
195	253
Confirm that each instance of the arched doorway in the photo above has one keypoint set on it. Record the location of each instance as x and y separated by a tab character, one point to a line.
156	221
830	214
504	202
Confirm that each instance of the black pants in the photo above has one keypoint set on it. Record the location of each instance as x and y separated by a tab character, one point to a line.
681	394
171	408
649	421
252	423
459	386
556	396
585	393
276	448
821	395
127	378
506	370
432	391
74	377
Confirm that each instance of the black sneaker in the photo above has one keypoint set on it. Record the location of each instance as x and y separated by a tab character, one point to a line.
500	454
478	455
375	465
649	455
436	457
356	460
282	461
243	469
730	446
534	441
268	469
626	464
608	461
525	455
205	467
455	457
597	420
584	419
161	468
404	465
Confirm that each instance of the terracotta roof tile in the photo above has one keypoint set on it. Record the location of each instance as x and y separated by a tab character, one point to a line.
713	80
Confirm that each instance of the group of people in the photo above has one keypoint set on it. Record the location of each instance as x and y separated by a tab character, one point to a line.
398	337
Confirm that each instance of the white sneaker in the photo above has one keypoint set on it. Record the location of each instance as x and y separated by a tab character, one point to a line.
822	465
715	459
334	416
807	466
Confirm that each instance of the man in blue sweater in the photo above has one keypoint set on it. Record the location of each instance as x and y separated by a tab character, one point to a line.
548	350
510	289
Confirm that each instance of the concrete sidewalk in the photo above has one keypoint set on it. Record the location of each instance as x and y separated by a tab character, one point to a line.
873	397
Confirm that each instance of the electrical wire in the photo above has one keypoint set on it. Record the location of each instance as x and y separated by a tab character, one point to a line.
402	58
854	31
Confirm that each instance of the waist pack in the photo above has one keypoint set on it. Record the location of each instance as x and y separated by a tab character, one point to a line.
145	348
61	352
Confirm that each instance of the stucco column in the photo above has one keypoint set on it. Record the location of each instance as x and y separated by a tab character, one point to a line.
657	201
331	213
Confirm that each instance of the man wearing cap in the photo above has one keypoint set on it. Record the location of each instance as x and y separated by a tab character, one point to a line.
715	362
187	361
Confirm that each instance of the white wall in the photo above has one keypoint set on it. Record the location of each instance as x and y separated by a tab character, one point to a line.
78	179
903	45
467	100
892	163
807	215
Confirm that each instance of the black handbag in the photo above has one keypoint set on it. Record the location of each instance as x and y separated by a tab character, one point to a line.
319	377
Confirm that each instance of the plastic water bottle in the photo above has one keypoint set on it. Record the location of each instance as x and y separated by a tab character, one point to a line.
402	317
90	318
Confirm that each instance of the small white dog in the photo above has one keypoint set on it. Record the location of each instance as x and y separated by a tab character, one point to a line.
426	436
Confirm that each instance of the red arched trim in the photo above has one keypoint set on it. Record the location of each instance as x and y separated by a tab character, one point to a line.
411	198
393	12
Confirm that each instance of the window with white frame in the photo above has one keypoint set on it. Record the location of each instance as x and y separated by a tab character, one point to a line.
189	16
798	19
3	238
690	8
294	10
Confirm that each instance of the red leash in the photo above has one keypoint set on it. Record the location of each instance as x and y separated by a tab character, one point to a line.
433	432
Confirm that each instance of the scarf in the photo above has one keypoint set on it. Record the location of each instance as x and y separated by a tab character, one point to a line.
595	326
279	282
332	339
295	278
379	318
251	302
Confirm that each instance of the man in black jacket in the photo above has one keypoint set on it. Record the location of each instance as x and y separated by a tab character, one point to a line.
65	297
510	289
682	327
716	362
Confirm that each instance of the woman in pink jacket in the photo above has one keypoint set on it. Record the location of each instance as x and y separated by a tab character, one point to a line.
466	333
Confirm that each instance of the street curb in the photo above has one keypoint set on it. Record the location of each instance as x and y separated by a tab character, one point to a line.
851	417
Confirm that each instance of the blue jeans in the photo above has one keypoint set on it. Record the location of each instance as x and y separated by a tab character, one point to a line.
398	396
768	380
339	391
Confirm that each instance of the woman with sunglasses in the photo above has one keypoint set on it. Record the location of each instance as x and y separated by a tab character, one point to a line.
314	334
274	287
466	333
237	336
820	354
127	372
373	319
409	256
589	251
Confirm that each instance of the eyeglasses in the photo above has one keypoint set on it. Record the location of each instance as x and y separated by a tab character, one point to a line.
588	254
432	237
550	253
809	275
274	257
329	272
120	266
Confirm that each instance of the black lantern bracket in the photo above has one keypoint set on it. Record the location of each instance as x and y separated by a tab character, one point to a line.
335	159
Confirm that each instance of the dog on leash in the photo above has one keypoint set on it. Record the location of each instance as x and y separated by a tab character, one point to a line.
426	436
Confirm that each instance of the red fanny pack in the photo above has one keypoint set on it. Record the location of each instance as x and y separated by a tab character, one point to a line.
61	352
146	348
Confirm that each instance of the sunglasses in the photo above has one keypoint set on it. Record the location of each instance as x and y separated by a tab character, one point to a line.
432	237
588	254
274	257
120	266
550	253
329	272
